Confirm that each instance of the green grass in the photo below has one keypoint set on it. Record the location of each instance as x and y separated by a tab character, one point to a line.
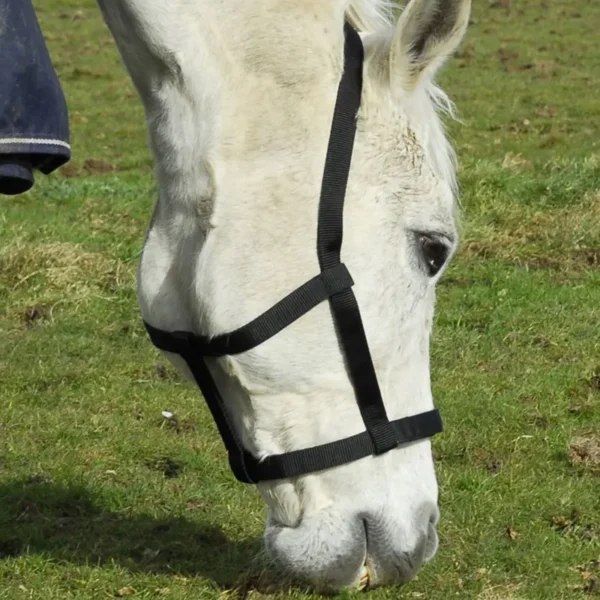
100	499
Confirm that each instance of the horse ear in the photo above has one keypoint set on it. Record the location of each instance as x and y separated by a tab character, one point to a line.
427	33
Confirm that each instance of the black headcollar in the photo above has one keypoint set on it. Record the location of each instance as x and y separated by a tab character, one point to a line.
333	283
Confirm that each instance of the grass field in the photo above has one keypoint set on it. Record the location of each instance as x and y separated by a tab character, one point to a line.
100	498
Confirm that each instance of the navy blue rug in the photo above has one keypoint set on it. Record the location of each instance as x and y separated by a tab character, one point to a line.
34	122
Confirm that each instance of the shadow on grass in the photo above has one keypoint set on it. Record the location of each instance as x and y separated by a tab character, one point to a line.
65	523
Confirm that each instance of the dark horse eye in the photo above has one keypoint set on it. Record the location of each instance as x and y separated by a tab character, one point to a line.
433	252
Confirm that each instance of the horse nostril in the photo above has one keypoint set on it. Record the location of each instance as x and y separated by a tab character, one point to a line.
434	517
431	540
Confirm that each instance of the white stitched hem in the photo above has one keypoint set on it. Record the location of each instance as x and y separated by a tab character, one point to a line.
35	141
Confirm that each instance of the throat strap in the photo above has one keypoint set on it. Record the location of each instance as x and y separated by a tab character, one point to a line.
271	322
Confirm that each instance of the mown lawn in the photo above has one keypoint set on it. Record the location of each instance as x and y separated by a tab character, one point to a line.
101	498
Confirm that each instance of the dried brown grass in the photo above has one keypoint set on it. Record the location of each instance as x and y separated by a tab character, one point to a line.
56	272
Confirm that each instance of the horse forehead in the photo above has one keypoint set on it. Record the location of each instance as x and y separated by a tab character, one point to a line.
264	118
390	155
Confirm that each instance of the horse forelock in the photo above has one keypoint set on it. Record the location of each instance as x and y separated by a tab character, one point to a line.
370	15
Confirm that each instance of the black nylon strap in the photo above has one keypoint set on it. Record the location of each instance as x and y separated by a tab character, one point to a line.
334	454
344	307
182	343
339	153
220	414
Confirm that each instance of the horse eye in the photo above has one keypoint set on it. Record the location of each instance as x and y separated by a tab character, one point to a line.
433	253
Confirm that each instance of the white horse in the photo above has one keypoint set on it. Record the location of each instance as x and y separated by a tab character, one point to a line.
238	97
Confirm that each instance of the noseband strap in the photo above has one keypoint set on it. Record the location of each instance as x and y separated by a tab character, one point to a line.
334	284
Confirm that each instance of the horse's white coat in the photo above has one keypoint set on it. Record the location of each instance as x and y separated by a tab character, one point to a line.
239	96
